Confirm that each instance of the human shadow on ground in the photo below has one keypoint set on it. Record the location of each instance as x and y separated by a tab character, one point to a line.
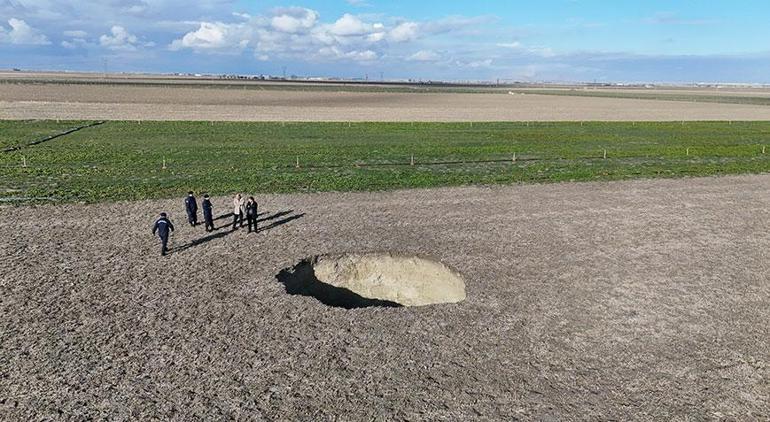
229	227
279	222
229	216
224	216
198	242
301	280
274	216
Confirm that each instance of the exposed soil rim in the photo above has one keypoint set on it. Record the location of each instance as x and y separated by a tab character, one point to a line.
375	279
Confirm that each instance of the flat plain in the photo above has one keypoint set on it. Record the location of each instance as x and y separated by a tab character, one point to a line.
597	300
640	300
139	99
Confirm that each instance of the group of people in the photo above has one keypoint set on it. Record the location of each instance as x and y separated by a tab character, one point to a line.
241	207
248	208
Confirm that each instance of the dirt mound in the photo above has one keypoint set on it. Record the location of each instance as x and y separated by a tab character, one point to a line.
383	279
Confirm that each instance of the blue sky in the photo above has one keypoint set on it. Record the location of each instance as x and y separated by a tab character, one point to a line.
547	40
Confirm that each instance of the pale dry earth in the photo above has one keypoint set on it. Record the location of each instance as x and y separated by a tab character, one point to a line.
136	102
663	91
642	300
119	78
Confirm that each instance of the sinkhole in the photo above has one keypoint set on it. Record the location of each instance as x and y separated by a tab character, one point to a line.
378	279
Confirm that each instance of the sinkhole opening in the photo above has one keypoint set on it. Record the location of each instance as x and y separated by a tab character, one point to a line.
378	279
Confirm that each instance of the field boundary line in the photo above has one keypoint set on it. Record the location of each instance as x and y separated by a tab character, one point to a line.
598	157
54	136
431	163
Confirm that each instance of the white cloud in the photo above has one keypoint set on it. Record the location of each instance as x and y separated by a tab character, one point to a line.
290	33
293	20
119	39
299	34
522	49
76	39
479	64
424	56
214	36
349	25
355	55
407	31
74	43
21	33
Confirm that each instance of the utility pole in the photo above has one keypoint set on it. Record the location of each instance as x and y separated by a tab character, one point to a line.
104	62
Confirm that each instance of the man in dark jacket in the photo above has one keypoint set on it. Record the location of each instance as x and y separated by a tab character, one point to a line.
251	214
208	213
164	228
191	205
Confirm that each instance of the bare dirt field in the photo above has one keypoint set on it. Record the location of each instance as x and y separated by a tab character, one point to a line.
136	102
689	91
644	300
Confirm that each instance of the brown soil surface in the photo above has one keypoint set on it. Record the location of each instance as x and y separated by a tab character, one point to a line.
136	102
643	300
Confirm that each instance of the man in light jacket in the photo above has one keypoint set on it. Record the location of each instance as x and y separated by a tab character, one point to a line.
238	210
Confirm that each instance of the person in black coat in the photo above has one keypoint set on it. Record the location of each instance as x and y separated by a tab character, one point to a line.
164	228
208	213
191	205
251	213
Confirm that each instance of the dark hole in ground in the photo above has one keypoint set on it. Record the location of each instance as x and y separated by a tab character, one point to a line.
301	280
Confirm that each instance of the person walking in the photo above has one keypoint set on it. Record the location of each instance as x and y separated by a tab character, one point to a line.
237	210
208	213
163	228
251	213
191	205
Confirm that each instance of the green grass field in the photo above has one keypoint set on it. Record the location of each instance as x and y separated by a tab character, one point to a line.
124	160
13	133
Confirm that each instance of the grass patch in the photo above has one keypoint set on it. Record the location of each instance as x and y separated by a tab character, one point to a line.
14	133
124	160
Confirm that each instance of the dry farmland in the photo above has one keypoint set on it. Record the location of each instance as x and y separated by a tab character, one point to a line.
624	300
172	100
643	300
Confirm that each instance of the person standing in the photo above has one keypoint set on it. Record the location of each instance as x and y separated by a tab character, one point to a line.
163	228
191	205
251	213
237	210
208	213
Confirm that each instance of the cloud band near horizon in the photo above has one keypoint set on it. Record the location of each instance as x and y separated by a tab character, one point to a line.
223	36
